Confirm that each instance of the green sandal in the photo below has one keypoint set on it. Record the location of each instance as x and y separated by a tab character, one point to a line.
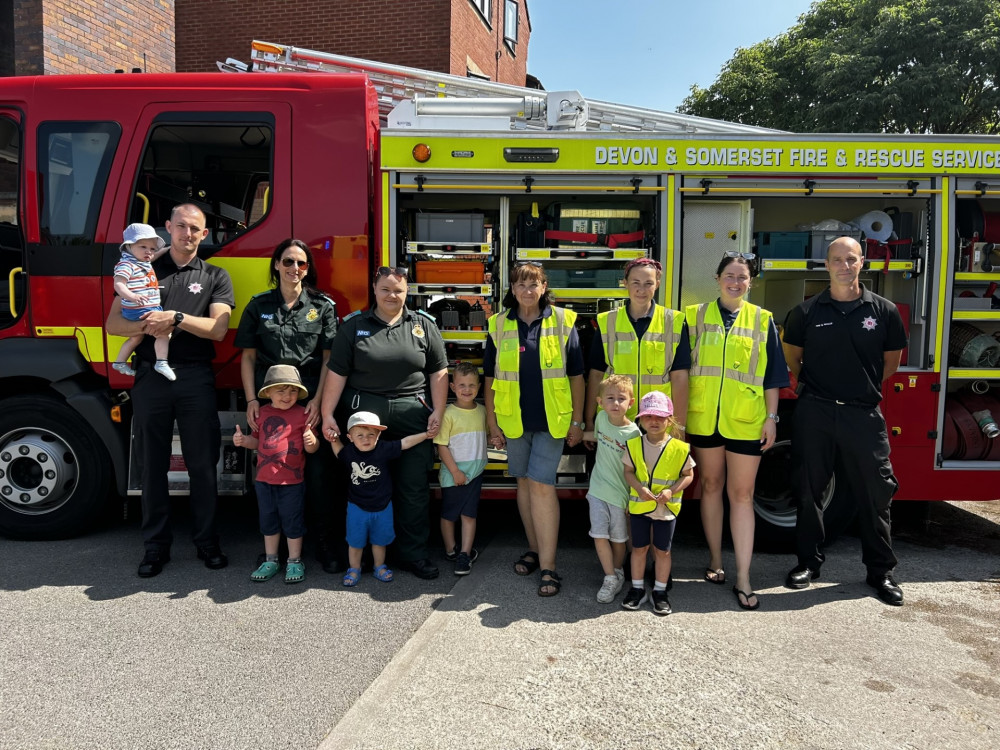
295	572
265	572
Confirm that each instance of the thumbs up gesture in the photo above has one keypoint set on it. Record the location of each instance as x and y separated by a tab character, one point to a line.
309	439
238	437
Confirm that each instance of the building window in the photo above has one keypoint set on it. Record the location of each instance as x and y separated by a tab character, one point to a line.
485	8
510	22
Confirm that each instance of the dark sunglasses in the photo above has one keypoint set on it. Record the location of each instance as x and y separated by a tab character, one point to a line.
387	271
289	262
642	262
738	254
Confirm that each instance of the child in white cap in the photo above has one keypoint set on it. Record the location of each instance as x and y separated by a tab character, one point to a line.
137	285
369	504
658	466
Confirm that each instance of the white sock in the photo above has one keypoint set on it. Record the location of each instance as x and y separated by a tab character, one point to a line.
657	586
640	584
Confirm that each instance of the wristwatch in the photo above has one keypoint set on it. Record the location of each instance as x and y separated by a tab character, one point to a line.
775	417
581	425
178	317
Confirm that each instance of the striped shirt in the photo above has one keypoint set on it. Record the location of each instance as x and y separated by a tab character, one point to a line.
140	279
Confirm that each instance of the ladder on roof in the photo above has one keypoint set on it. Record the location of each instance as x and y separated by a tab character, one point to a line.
396	84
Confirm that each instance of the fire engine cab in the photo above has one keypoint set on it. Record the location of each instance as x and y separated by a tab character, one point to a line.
457	184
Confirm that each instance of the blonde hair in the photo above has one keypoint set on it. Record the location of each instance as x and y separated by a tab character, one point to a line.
622	382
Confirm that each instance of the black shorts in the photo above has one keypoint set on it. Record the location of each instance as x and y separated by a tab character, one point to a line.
461	500
645	530
743	447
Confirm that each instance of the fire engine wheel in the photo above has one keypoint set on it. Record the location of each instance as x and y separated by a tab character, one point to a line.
775	506
54	472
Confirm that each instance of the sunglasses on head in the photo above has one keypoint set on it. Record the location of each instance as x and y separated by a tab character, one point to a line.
642	262
522	263
387	271
738	254
289	262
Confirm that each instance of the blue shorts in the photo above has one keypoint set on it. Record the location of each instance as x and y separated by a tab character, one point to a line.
136	313
281	508
535	455
461	500
364	526
644	528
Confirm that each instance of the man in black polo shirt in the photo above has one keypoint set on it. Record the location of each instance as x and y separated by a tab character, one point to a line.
197	300
842	345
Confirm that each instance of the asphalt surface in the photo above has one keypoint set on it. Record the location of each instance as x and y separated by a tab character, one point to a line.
92	656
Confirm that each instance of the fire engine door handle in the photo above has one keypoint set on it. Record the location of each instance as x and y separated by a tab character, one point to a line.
10	281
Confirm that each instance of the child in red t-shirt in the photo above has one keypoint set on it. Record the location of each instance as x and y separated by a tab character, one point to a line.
281	440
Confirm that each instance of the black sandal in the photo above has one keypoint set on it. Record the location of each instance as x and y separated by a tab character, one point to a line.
553	581
745	601
527	565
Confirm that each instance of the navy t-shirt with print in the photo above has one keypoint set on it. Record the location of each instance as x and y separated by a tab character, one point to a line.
370	485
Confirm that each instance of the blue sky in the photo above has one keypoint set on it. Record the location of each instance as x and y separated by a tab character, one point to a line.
646	52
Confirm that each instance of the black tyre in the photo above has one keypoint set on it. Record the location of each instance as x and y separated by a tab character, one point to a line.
55	475
775	504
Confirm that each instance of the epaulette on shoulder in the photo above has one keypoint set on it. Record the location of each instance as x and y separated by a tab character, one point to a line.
262	294
320	295
347	317
427	315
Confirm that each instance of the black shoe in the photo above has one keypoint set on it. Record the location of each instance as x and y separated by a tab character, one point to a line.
327	559
463	564
661	604
153	562
800	576
214	557
634	598
886	588
453	555
420	568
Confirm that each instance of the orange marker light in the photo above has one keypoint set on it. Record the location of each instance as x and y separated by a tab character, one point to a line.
421	152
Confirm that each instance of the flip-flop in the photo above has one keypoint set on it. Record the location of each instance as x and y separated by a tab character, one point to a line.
746	596
383	573
718	577
527	565
352	576
550	580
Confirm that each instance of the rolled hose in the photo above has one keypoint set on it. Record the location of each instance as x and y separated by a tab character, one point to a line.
970	347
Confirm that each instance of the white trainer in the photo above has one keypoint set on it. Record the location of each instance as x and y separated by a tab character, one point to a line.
609	589
123	368
163	367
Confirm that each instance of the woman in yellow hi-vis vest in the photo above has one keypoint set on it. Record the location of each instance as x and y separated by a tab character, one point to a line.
647	342
534	392
737	368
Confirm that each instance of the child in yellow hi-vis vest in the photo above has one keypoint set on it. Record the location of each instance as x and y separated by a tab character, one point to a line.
658	466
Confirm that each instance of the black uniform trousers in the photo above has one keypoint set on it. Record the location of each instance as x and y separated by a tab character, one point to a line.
826	431
402	416
326	503
190	400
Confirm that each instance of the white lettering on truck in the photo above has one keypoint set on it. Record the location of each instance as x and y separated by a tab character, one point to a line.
965	158
733	157
889	157
625	155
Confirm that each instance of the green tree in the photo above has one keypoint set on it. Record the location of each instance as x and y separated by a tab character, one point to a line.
853	66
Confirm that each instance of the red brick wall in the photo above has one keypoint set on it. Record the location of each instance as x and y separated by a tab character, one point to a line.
481	40
429	34
401	32
96	36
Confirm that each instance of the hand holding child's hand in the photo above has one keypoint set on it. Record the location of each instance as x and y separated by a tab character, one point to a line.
308	438
238	437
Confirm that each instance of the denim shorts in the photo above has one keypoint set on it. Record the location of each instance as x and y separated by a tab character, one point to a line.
281	508
607	521
535	455
461	500
364	526
136	313
644	528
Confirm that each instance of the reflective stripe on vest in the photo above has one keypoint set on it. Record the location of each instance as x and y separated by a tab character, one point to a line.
647	363
552	338
727	369
666	474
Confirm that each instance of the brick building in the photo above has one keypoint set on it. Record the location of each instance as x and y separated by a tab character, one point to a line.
487	38
85	36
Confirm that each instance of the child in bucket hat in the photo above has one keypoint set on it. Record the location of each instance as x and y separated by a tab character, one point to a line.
139	289
658	466
282	439
369	507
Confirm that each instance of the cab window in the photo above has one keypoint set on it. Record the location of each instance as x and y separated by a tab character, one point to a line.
223	168
74	160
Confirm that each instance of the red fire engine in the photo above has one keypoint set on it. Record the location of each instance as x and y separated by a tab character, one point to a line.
457	189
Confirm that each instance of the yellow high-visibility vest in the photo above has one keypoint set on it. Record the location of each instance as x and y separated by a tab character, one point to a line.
645	361
727	370
558	398
666	473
